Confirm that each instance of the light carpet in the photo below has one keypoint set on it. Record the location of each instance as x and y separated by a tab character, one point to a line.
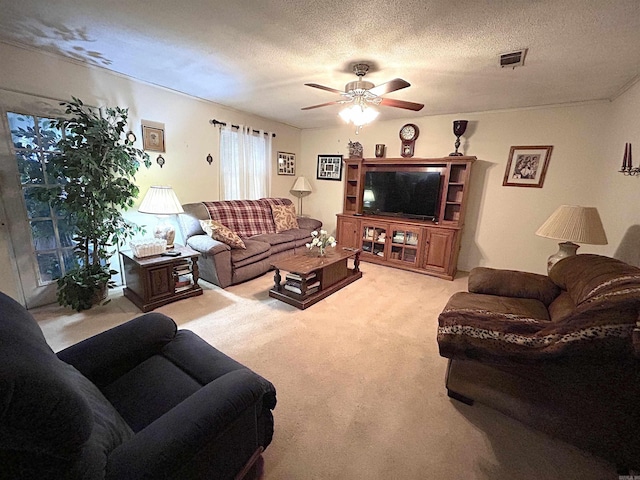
360	383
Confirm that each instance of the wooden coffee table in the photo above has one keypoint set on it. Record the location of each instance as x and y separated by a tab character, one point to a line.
314	277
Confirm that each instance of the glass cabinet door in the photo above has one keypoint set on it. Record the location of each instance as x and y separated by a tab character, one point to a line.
404	245
374	238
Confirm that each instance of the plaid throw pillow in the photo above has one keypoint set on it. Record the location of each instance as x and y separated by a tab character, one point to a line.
219	232
284	216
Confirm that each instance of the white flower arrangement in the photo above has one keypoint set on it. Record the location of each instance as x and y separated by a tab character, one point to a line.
321	241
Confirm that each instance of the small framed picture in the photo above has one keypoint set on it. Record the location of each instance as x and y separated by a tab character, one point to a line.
153	136
527	166
286	163
329	167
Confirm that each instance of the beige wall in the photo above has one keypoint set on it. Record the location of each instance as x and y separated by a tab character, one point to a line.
588	141
620	194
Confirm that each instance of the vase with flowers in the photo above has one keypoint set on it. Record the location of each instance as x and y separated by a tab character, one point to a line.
321	241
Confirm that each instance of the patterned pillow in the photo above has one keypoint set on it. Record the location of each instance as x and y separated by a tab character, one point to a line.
219	232
284	216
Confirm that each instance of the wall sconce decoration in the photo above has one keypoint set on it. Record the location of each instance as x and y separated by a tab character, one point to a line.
160	160
627	162
209	159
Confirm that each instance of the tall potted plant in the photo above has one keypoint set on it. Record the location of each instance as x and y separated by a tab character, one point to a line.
96	166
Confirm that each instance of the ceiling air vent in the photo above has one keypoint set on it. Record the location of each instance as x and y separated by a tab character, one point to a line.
513	59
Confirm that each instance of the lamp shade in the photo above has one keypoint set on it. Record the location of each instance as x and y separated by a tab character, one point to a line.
301	186
368	196
573	223
160	200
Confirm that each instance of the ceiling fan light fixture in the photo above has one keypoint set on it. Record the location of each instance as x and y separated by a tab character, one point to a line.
359	115
360	94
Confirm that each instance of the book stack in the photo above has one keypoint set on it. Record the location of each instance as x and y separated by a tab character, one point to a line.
302	285
182	274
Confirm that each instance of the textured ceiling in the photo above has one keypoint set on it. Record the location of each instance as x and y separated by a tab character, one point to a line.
256	56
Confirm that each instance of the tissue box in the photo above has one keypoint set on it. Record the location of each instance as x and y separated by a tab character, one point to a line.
147	247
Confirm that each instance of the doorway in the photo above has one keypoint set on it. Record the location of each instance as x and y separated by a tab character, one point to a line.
38	240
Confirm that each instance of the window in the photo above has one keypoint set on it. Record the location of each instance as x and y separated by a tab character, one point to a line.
245	161
34	140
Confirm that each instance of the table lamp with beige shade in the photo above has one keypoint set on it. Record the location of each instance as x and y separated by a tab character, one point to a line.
572	223
162	202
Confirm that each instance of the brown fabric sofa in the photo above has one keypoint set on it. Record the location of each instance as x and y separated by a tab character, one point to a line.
222	265
559	353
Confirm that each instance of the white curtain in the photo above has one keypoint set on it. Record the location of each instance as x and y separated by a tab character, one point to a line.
245	163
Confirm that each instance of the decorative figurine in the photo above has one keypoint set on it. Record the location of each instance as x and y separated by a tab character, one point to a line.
355	149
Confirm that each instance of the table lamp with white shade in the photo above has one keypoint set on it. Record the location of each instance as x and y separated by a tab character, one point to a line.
301	188
162	202
572	223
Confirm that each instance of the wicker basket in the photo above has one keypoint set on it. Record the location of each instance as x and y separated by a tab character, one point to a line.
147	247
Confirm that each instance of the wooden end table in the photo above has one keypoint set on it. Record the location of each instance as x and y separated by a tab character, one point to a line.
158	280
314	277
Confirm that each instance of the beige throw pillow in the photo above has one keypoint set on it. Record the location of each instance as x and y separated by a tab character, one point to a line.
284	216
219	232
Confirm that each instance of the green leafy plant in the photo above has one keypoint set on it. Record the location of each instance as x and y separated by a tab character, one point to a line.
96	166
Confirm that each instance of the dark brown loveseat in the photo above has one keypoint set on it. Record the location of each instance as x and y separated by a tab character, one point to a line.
559	353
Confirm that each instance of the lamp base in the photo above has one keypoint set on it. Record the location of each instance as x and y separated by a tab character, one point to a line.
567	249
165	231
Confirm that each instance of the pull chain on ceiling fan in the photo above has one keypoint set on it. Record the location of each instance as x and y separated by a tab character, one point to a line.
362	94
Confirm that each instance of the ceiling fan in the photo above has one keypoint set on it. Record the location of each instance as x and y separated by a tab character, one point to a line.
363	93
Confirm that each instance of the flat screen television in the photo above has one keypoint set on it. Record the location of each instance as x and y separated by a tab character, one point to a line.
402	194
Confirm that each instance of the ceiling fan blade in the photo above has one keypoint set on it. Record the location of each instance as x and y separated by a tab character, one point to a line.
392	102
322	87
390	86
321	105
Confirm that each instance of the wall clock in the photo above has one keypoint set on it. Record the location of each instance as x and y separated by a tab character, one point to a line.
408	135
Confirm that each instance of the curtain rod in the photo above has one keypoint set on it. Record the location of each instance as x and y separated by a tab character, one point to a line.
216	122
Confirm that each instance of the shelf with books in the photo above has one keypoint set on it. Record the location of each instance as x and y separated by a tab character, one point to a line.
302	285
183	275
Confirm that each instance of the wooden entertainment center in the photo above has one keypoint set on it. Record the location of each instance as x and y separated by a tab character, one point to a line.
423	246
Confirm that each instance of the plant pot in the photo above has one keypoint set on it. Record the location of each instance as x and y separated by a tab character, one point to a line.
100	295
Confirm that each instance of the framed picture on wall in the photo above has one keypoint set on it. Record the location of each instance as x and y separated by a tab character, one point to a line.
153	136
329	167
286	163
527	166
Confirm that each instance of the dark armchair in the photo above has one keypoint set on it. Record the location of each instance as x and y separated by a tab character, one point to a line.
142	400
